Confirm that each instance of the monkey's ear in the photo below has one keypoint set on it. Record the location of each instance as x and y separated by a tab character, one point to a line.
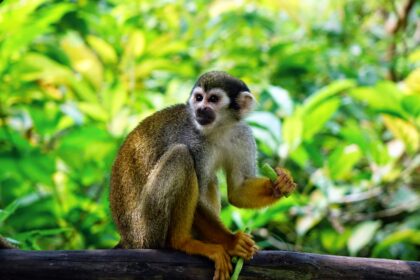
246	102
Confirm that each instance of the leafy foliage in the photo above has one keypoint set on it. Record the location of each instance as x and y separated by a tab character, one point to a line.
339	106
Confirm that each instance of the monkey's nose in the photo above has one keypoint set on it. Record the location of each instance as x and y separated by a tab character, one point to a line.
205	116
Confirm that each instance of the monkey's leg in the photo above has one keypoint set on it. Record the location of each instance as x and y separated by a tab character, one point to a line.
211	229
174	180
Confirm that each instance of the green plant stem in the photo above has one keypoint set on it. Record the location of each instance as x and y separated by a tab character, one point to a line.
239	263
268	171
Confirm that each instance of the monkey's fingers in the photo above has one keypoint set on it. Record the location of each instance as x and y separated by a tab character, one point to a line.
244	253
277	187
246	242
223	267
229	264
243	242
284	182
248	239
280	171
256	249
241	251
216	274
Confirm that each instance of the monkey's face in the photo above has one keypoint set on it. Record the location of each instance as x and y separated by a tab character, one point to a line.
218	98
208	106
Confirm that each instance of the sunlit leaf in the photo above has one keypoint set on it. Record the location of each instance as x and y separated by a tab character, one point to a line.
83	59
134	47
105	51
20	24
293	131
93	110
342	160
327	92
413	80
368	141
404	131
268	121
35	66
315	214
362	235
282	98
384	97
315	119
305	223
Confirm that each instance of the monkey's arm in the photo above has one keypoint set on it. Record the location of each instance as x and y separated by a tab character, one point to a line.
245	189
251	193
257	192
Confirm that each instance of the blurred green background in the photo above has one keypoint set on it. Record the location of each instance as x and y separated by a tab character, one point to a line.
338	86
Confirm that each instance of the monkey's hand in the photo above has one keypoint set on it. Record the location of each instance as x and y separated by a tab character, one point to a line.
242	246
283	185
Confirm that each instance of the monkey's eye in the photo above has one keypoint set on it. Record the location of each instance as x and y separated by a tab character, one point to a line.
214	98
198	97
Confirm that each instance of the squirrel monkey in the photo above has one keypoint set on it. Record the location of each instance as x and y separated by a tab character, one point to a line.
164	191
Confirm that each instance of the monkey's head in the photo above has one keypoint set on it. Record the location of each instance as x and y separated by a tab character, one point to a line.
218	98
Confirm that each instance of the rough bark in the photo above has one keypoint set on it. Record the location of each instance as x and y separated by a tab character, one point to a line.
161	264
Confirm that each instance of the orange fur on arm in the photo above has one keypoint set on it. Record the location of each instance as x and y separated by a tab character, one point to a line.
252	193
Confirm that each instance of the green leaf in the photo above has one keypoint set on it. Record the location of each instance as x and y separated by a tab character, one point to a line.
94	110
265	140
21	23
274	213
327	92
105	51
368	141
315	215
35	67
266	128
362	234
384	97
405	235
292	131
305	223
38	168
315	119
269	172
83	59
87	144
268	121
9	210
134	47
342	160
282	98
334	241
411	103
404	131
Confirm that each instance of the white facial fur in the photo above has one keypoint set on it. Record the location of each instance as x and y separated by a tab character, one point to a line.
222	103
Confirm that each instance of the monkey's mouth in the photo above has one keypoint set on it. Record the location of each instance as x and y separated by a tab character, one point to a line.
205	116
204	120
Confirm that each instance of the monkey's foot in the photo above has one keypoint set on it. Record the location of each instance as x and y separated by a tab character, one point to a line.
284	184
223	266
243	246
